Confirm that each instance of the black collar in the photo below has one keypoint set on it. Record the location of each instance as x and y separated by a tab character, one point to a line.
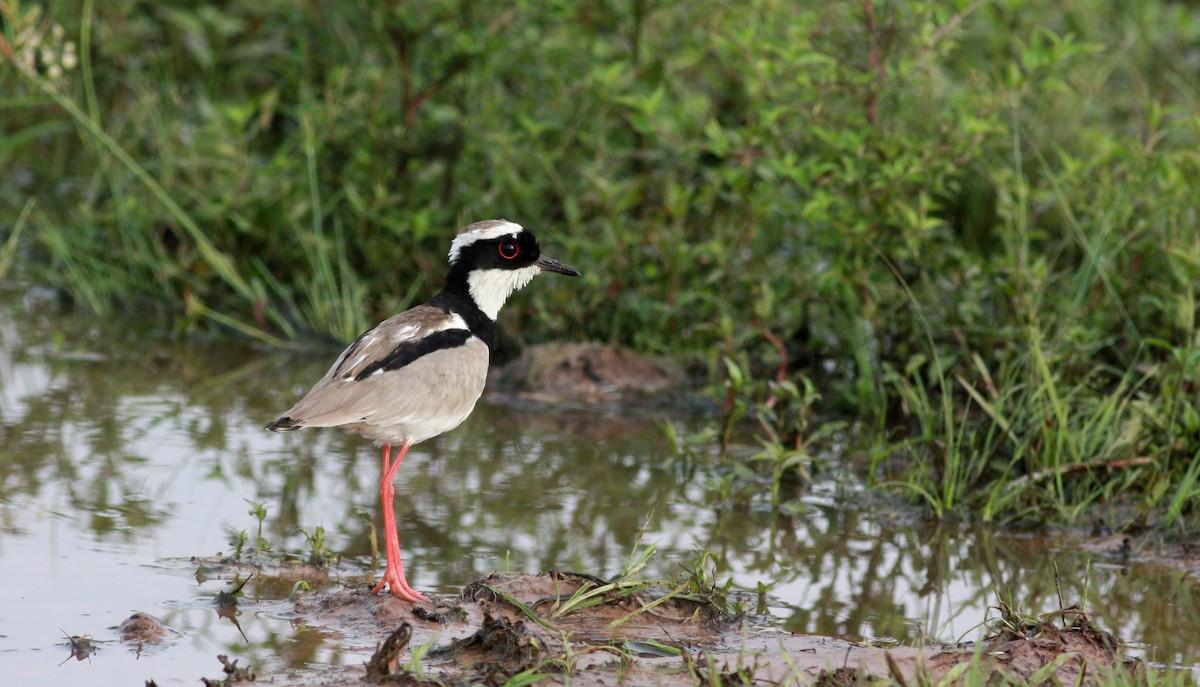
456	298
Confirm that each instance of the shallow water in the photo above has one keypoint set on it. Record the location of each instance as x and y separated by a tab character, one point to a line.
123	455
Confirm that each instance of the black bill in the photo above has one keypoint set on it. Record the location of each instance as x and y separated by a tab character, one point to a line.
552	265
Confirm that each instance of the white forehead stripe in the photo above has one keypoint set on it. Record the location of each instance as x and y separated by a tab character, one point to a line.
489	230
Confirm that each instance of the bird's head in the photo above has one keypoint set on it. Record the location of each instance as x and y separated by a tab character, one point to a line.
497	257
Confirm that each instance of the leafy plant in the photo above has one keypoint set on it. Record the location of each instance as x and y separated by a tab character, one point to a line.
319	554
261	545
237	540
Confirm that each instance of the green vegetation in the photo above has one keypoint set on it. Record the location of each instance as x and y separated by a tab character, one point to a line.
319	554
259	511
969	225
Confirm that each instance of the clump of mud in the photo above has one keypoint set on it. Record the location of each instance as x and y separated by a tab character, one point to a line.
588	373
1063	647
499	642
1025	647
142	628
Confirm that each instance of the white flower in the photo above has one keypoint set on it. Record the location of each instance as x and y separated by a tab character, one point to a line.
69	60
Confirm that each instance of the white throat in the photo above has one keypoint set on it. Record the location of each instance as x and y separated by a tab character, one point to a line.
490	288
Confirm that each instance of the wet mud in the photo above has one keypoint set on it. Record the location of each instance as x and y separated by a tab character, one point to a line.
514	625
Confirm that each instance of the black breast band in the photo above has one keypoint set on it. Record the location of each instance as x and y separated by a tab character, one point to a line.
410	351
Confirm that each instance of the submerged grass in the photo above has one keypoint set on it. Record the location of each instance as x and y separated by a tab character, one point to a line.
970	226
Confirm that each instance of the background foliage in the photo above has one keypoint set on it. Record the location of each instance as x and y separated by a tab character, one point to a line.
969	224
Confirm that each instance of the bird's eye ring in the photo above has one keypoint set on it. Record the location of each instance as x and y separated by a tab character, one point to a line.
509	250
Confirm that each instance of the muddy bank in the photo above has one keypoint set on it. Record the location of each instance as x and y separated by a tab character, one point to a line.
554	624
588	373
1147	548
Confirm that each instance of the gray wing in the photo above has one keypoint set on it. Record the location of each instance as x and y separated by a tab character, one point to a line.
378	343
374	381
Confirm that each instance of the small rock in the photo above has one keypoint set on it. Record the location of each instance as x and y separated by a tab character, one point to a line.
589	373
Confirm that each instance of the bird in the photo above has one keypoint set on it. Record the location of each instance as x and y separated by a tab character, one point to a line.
418	374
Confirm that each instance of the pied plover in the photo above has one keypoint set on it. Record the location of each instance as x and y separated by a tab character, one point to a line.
418	374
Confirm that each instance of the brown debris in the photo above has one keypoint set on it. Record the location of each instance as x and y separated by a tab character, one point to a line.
82	647
450	615
500	649
233	674
379	667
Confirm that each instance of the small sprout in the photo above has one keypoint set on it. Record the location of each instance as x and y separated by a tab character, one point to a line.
764	588
701	581
237	540
301	586
319	555
259	511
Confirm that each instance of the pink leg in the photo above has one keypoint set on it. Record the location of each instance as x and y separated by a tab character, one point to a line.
393	575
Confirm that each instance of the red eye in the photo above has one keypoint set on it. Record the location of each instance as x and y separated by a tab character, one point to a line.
509	250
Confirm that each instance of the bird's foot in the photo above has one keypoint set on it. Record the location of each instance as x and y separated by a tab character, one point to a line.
398	586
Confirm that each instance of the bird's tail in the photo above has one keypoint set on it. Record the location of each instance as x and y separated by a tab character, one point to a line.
283	424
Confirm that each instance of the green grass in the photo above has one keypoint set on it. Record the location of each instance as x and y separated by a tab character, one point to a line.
968	227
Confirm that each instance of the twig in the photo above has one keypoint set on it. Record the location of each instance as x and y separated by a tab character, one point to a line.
781	373
954	22
1045	473
875	57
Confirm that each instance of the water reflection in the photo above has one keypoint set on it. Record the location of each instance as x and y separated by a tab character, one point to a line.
123	453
